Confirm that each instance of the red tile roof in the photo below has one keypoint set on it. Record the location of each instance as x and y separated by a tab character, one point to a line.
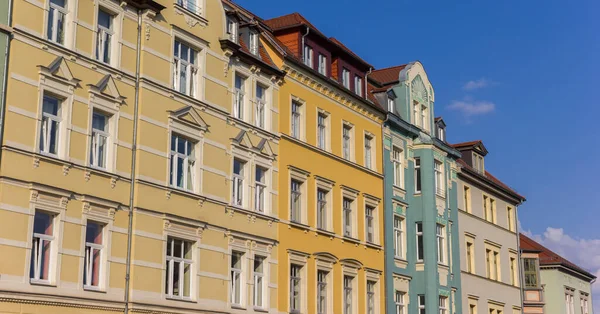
547	257
490	177
348	51
387	75
466	144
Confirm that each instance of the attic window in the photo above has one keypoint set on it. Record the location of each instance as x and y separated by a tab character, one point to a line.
441	133
478	163
232	29
254	43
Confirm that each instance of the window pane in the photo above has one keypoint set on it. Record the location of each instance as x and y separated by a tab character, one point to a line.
42	223
93	233
104	19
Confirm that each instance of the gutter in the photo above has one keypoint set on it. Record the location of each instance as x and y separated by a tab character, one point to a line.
302	46
133	160
8	30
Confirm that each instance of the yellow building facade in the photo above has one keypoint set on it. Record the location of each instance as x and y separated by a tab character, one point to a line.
140	166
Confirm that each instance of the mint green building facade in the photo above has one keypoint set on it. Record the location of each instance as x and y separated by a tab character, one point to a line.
566	291
420	191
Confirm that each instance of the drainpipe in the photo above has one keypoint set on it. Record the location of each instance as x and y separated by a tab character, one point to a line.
302	48
386	269
8	31
133	159
366	80
520	259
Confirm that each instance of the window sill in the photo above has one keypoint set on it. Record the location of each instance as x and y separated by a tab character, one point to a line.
188	300
41	283
299	225
191	18
351	239
417	193
237	307
445	266
326	232
260	309
93	289
373	245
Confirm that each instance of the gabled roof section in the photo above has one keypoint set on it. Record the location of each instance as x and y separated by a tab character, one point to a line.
387	76
476	145
549	258
440	121
491	179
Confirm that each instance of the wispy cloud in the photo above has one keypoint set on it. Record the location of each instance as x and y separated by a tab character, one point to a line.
583	252
469	107
476	84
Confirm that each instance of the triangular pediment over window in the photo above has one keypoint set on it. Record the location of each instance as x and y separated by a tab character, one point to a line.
188	115
107	88
59	70
265	148
243	139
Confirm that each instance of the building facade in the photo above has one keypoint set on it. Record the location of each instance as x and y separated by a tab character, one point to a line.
421	222
532	288
331	199
488	236
139	168
566	287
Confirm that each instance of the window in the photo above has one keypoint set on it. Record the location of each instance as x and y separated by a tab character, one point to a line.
254	43
259	281
322	131
583	301
308	56
399	299
184	80
190	5
439	178
417	175
261	104
346	78
371	297
260	186
321	292
486	214
472	309
42	247
424	118
182	163
421	303
397	166
493	263
322	209
347	204
391	107
569	301
295	288
370	223
94	248
238	106
368	152
398	237
346	139
442	134
322	64
513	271
296	199
237	277
492	210
51	119
104	36
470	257
510	218
488	266
443	302
296	114
441	243
467	198
348	294
420	115
179	268
478	163
56	21
238	182
232	29
99	143
420	250
358	85
530	272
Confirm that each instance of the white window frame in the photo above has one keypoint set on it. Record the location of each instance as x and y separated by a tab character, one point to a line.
418	180
308	56
370	218
438	168
398	166
254	42
232	29
236	274
347	214
189	161
239	103
53	24
398	225
259	276
301	177
346	78
90	249
399	302
36	250
421	303
323	287
390	103
297	119
323	134
171	261
322	66
324	206
371	297
443	304
348	294
260	112
348	141
238	187
440	233
300	260
192	69
470	254
570	300
261	189
96	136
358	82
104	35
419	234
296	272
195	8
369	141
46	122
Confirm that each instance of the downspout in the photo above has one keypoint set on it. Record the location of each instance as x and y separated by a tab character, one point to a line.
367	84
133	159
385	250
302	48
520	258
8	31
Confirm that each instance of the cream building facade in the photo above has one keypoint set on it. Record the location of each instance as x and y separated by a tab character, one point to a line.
129	179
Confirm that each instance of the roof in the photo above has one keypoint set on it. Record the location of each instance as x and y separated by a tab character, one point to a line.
348	51
549	258
466	144
490	178
387	75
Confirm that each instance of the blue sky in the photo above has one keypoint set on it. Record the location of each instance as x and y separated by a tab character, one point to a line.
519	75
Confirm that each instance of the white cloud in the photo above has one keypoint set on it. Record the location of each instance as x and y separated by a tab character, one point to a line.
585	253
472	107
476	84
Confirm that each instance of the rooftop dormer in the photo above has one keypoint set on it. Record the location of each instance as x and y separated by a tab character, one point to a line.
440	129
473	153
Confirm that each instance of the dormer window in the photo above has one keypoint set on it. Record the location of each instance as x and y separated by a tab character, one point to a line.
358	85
421	116
346	78
442	134
478	163
322	64
232	29
390	102
254	43
308	56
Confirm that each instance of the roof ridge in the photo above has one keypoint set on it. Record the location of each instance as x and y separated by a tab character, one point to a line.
389	68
